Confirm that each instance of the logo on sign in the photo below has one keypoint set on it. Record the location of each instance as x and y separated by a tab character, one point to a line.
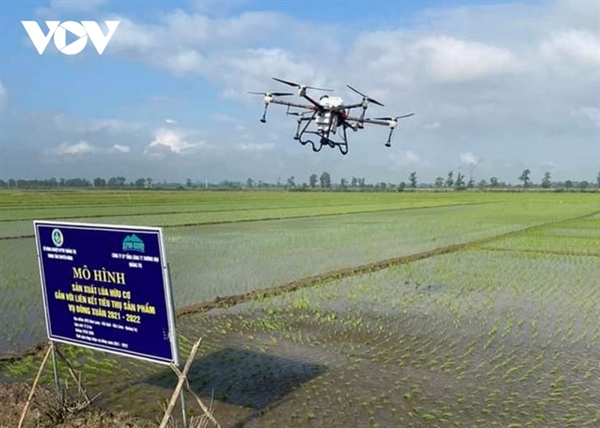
57	30
57	238
133	243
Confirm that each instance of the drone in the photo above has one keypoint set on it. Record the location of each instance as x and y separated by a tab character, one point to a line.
330	116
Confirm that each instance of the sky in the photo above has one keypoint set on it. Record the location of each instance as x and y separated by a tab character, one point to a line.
496	87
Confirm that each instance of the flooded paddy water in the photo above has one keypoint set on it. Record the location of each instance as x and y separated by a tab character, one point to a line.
477	337
207	261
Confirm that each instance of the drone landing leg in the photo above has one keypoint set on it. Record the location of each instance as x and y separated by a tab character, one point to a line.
297	136
389	140
263	119
299	133
344	146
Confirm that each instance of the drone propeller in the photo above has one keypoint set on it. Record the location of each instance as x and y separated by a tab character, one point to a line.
296	85
273	94
369	99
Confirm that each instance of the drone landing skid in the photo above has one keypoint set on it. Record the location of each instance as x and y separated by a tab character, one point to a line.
316	147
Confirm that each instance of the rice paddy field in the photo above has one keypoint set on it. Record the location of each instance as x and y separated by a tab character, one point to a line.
450	309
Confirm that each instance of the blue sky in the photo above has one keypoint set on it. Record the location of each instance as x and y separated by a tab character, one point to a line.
496	87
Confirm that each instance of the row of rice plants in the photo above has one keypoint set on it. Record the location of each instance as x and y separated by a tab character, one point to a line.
477	338
222	260
51	204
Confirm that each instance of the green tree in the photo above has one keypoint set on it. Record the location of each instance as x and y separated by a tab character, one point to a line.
460	181
325	180
112	182
312	181
290	182
494	182
250	183
546	181
343	183
450	179
439	182
524	177
412	177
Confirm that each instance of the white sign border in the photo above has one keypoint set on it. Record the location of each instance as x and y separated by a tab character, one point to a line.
165	274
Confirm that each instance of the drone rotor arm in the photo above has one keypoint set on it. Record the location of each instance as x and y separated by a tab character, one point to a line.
394	118
292	104
372	121
351	106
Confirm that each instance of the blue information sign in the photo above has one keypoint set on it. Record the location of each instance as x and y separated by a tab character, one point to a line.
106	287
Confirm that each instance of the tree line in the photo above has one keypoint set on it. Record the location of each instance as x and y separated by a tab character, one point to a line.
314	182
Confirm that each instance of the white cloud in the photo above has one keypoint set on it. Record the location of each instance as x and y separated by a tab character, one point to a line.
65	122
526	73
451	59
170	140
3	97
187	44
255	147
589	115
573	45
433	125
121	148
549	165
405	158
221	117
77	149
83	147
468	158
186	62
170	122
252	69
